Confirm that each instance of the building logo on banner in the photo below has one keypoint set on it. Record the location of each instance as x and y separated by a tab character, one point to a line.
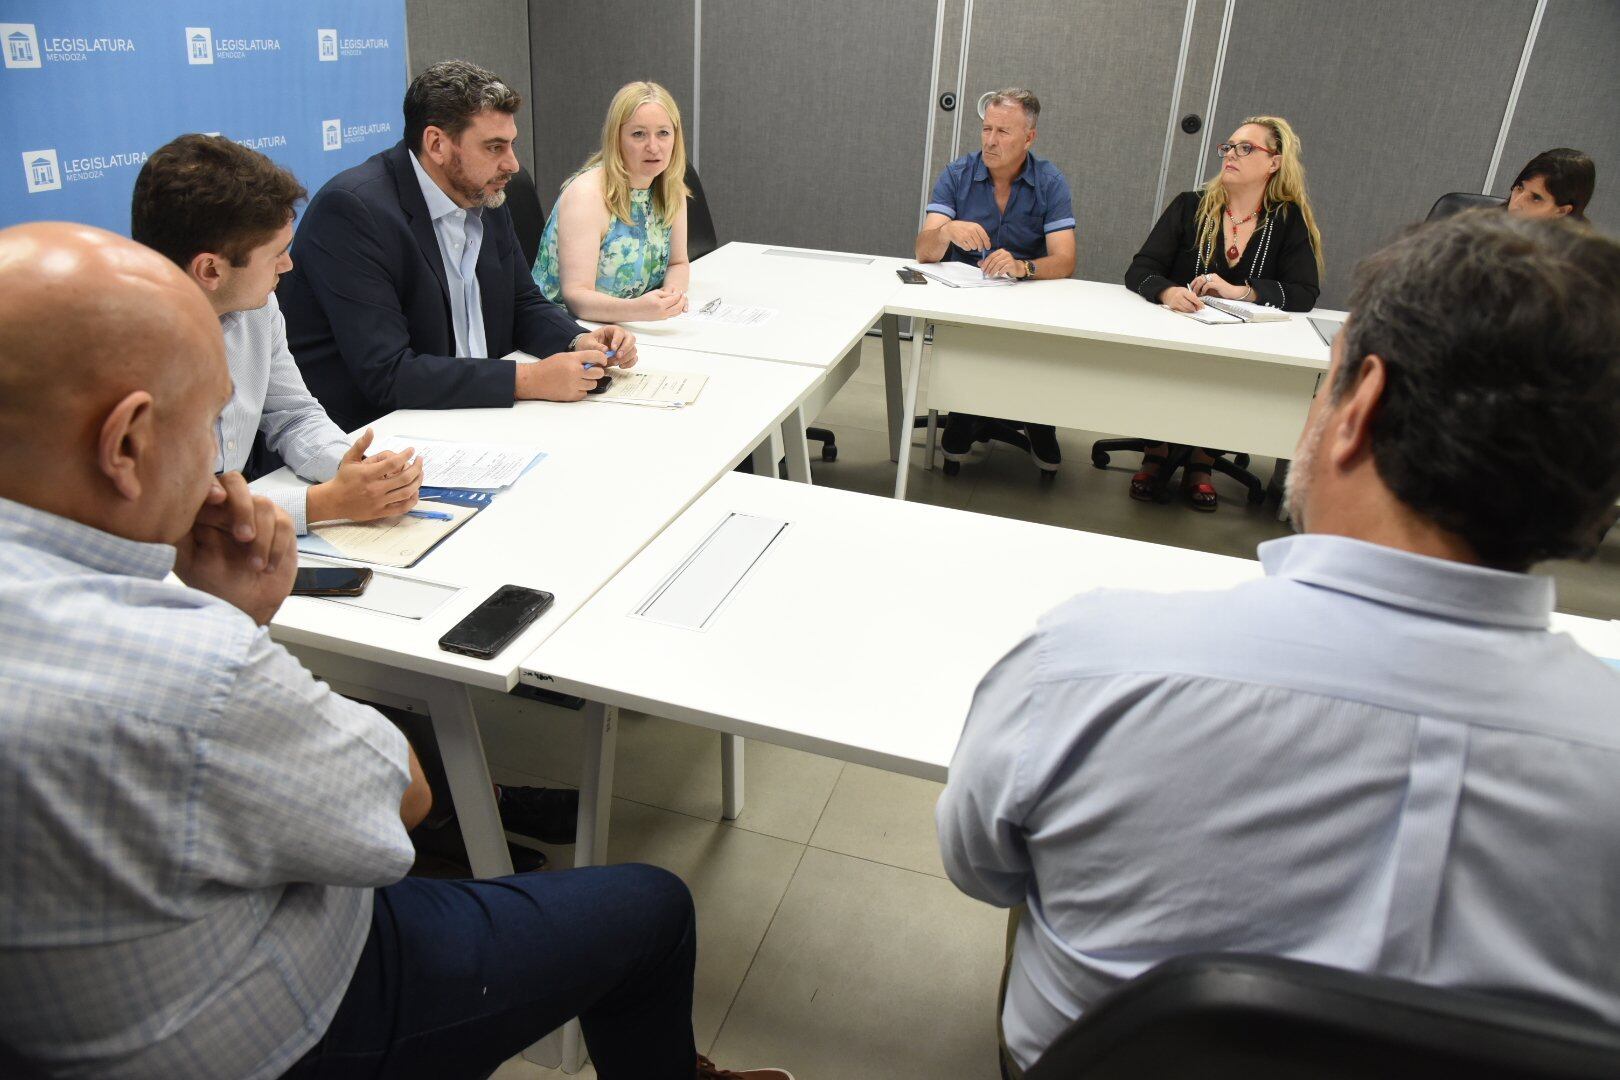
199	45
329	45
23	48
331	134
22	45
45	173
42	171
201	48
334	136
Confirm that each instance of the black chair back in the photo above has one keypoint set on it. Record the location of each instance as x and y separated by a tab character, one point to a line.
700	235
1457	201
528	213
1226	1017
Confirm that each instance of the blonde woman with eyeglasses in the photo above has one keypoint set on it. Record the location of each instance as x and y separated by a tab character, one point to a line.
1250	234
614	248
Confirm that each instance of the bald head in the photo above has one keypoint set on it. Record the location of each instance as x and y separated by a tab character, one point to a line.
88	321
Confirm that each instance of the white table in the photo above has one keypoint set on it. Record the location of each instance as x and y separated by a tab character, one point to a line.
826	301
1094	355
615	475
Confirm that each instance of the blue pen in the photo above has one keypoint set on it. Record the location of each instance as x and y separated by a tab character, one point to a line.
431	515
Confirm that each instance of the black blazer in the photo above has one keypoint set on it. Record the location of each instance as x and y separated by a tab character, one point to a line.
1278	262
368	307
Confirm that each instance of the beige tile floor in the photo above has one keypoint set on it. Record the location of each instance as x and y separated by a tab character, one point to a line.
830	942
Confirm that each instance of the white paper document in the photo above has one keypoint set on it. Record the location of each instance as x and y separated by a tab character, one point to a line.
657	389
961	275
718	311
695	591
481	466
1211	316
1246	311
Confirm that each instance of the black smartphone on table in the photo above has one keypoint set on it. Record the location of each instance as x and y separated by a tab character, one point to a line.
492	625
331	581
911	276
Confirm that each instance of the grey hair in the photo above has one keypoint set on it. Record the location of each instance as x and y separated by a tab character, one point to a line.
449	94
1015	96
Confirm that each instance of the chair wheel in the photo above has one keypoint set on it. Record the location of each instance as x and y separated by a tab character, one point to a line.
1047	476
1257	496
829	452
952	467
1100	459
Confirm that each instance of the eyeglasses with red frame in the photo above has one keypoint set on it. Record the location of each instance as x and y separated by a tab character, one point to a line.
1244	149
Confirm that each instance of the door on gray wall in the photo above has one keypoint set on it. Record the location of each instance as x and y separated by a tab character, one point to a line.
1104	73
1395	104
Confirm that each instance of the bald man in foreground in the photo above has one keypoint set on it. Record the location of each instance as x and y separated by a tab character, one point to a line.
201	847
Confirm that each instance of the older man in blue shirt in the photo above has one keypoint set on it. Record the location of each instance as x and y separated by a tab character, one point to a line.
1010	213
1378	757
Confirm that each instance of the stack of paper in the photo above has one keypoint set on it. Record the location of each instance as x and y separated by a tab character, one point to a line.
718	311
960	275
1246	311
476	466
658	389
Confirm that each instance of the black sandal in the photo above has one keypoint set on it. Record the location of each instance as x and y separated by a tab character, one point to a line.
1145	485
1201	495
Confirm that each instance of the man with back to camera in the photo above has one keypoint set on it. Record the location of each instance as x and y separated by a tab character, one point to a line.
1010	213
1377	757
224	215
204	846
408	285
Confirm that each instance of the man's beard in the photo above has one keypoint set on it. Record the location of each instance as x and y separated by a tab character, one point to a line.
477	194
1296	486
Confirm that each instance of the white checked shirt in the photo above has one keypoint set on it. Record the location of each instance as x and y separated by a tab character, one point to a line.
192	823
1368	759
460	234
270	396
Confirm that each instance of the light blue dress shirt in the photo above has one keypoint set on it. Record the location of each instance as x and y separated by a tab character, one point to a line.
1368	759
269	395
193	824
460	234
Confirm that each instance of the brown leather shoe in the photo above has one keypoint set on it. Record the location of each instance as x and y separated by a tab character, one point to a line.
708	1070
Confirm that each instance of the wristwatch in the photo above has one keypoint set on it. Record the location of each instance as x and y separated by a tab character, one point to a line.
1029	268
573	346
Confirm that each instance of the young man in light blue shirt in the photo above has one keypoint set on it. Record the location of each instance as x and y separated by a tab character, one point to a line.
224	215
1378	757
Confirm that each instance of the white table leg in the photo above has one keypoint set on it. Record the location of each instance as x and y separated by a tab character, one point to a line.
909	407
933	433
899	423
565	1047
731	776
763	457
456	729
796	446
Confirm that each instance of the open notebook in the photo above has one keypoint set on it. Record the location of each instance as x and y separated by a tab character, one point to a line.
1217	312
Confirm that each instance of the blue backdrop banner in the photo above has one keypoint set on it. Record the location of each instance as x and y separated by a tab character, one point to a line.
91	87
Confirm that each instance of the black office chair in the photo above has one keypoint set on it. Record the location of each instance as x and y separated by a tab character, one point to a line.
1456	202
528	213
701	238
1234	1017
1237	466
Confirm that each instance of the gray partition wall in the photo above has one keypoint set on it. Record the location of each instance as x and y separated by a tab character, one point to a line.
1571	97
582	54
491	33
813	116
1395	104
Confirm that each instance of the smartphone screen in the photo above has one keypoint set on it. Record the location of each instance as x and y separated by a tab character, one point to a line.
492	625
331	581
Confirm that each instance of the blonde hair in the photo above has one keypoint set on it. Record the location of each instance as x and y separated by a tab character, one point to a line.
1286	185
669	188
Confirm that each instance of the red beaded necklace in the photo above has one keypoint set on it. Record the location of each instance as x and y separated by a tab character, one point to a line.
1232	251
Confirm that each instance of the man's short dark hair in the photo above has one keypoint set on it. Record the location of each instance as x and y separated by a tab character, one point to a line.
206	193
449	94
1500	420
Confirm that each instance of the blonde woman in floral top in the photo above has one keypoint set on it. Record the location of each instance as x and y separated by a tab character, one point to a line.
614	249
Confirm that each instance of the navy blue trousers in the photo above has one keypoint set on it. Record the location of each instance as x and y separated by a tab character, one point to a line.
458	976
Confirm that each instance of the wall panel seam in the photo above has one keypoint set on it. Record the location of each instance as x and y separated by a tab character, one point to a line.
1214	93
1175	107
1513	95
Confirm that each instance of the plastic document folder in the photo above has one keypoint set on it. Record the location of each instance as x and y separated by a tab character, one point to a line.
396	541
392	594
712	573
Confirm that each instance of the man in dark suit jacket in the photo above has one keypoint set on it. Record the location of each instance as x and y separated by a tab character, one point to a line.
408	284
